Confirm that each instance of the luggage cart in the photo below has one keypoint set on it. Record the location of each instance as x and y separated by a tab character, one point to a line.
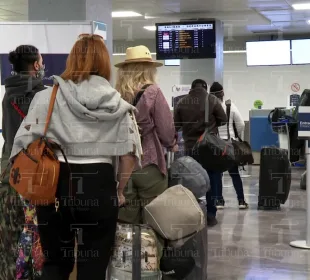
282	129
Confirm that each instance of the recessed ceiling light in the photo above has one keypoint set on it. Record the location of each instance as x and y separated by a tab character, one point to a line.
301	6
150	28
150	17
308	21
120	14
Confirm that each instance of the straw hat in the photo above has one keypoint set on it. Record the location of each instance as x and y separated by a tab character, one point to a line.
139	54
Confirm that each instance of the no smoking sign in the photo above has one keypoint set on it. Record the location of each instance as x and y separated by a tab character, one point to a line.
295	87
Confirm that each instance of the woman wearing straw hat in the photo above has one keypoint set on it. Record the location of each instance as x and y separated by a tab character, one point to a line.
136	81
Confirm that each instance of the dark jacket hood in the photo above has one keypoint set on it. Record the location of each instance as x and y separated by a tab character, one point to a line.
22	84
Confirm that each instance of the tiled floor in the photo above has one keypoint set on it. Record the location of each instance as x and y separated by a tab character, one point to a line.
254	245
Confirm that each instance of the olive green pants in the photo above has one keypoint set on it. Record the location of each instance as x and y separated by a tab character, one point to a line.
143	186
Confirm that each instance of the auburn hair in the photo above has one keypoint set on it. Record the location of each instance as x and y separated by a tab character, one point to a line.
89	56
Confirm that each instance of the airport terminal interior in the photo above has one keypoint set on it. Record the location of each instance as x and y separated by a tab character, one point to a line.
258	50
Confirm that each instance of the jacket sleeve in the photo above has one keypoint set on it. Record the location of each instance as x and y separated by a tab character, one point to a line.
238	120
163	121
219	113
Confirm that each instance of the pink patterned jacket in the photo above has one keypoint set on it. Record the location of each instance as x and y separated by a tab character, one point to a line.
156	122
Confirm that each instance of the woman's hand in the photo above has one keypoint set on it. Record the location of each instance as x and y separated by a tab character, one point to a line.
175	148
121	199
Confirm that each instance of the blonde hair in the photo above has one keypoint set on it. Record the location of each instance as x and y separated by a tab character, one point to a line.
132	76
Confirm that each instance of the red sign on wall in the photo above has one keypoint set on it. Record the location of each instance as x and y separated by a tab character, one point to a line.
295	87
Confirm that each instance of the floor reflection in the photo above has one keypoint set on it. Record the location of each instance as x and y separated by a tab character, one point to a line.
254	245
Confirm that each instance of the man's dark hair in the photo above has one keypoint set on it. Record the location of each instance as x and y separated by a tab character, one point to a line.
199	83
23	57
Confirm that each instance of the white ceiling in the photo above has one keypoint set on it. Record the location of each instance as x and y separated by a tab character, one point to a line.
13	10
240	17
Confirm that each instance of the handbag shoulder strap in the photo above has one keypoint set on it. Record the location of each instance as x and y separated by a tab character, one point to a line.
50	109
139	95
228	109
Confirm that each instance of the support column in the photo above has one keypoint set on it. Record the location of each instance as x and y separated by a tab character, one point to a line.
210	69
73	10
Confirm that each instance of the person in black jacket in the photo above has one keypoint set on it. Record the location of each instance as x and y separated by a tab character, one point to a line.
20	89
189	116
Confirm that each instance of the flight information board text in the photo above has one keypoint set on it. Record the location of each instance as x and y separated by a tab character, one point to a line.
185	40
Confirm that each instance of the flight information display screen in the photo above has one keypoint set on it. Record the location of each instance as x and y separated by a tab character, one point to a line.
185	40
300	51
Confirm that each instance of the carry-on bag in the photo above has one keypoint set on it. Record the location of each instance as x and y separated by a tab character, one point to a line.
242	149
274	178
212	152
175	214
196	247
136	254
190	174
193	265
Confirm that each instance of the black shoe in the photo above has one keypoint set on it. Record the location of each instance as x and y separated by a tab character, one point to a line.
212	221
220	204
243	205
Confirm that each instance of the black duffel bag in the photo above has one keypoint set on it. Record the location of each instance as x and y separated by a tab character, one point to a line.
242	149
214	153
243	152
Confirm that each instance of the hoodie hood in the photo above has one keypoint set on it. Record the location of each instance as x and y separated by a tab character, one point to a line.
93	99
22	84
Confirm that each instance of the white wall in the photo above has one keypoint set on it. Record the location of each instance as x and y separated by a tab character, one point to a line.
271	84
244	85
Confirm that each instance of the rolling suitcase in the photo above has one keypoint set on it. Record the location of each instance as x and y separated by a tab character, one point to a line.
274	178
197	246
135	255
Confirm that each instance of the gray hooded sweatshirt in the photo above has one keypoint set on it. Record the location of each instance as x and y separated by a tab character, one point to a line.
89	120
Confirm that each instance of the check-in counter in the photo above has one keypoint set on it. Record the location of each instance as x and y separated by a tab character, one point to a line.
261	133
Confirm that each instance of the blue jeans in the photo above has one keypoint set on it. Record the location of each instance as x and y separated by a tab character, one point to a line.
215	183
237	182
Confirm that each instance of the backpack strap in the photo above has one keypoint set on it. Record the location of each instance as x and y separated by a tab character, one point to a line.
50	108
139	95
228	109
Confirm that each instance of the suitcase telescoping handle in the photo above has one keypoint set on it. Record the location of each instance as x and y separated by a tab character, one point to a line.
170	158
136	252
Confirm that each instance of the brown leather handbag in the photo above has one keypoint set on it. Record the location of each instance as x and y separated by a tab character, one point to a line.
35	171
